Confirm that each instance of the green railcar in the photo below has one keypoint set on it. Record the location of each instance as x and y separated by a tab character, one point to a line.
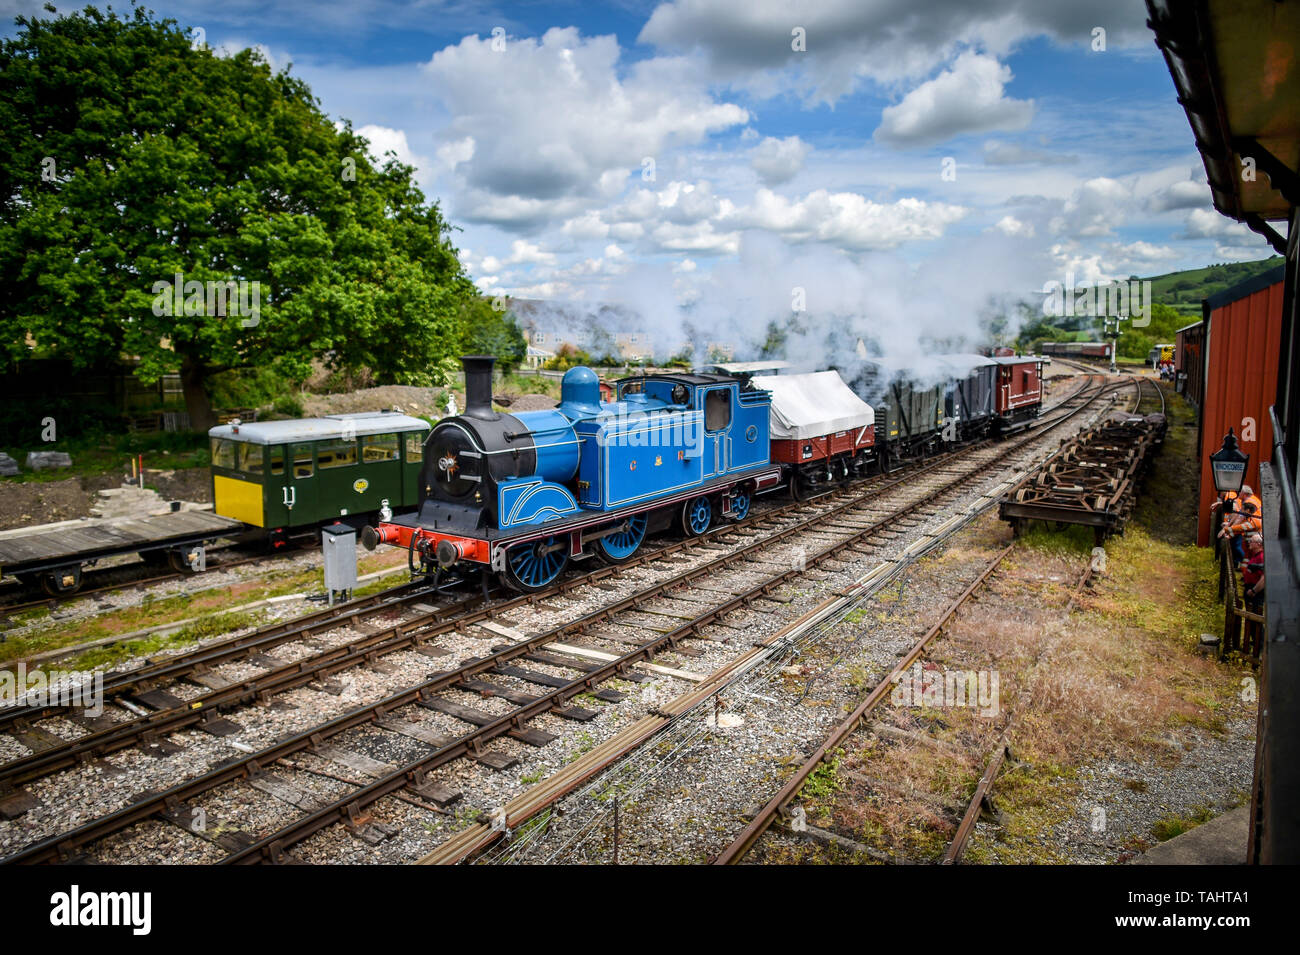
909	404
283	478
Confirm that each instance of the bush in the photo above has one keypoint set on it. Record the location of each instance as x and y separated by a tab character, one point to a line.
288	405
569	356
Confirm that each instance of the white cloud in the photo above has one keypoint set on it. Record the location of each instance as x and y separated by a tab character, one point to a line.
847	219
968	98
1010	225
749	42
384	140
559	125
1096	207
1013	154
779	160
1181	195
1208	224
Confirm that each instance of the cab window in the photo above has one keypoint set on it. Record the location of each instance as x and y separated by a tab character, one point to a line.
379	447
302	464
336	454
223	453
277	459
250	459
415	446
717	409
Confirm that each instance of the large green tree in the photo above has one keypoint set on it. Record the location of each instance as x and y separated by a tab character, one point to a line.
130	155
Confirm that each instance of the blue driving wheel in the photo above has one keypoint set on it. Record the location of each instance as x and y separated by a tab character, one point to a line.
535	565
622	544
739	504
697	515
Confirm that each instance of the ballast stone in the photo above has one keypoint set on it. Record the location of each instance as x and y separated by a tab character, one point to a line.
43	460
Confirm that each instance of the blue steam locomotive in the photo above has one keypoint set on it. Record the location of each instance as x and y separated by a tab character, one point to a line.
523	494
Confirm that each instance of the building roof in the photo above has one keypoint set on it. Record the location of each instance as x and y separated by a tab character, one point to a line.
1236	67
318	429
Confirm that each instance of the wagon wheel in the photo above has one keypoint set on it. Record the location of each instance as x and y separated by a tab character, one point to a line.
534	565
176	560
740	502
697	515
619	546
61	581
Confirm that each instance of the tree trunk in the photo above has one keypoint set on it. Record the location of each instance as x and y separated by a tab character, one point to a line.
193	377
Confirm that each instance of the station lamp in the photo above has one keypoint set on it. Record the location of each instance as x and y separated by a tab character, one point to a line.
1228	465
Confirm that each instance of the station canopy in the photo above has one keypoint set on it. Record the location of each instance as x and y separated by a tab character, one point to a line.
808	406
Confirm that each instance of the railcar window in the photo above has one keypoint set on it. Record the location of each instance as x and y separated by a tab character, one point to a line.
223	453
250	458
633	388
717	409
336	454
415	446
379	447
277	459
302	464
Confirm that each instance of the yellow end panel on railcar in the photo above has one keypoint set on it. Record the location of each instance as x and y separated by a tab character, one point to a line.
240	500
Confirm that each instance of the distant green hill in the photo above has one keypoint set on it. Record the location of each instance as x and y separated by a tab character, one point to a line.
1175	301
1184	291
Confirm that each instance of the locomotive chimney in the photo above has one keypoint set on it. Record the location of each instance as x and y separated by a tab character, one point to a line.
478	387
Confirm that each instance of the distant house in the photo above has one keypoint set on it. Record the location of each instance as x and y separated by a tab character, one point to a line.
536	357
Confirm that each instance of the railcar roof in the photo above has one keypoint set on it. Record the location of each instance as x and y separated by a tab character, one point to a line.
749	367
685	378
966	363
319	429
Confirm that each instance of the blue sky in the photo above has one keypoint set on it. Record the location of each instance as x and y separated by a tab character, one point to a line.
773	168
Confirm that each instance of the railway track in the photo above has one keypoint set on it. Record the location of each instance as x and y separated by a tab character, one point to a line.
201	659
16	598
469	676
862	722
620	775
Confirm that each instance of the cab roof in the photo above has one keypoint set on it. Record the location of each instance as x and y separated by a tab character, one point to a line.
318	429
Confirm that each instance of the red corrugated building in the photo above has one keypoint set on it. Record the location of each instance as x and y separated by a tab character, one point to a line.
1189	362
1243	332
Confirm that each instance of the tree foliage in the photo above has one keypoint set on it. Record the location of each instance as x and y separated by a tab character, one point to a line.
567	356
131	156
491	331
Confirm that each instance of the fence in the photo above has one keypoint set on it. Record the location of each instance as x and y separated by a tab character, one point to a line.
1243	628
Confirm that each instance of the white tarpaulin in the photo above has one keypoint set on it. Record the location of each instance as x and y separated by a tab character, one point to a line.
808	406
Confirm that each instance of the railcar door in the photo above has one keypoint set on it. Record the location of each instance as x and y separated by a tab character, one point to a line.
379	477
717	427
337	470
298	503
412	461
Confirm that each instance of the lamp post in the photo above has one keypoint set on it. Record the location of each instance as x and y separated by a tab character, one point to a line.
1229	465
